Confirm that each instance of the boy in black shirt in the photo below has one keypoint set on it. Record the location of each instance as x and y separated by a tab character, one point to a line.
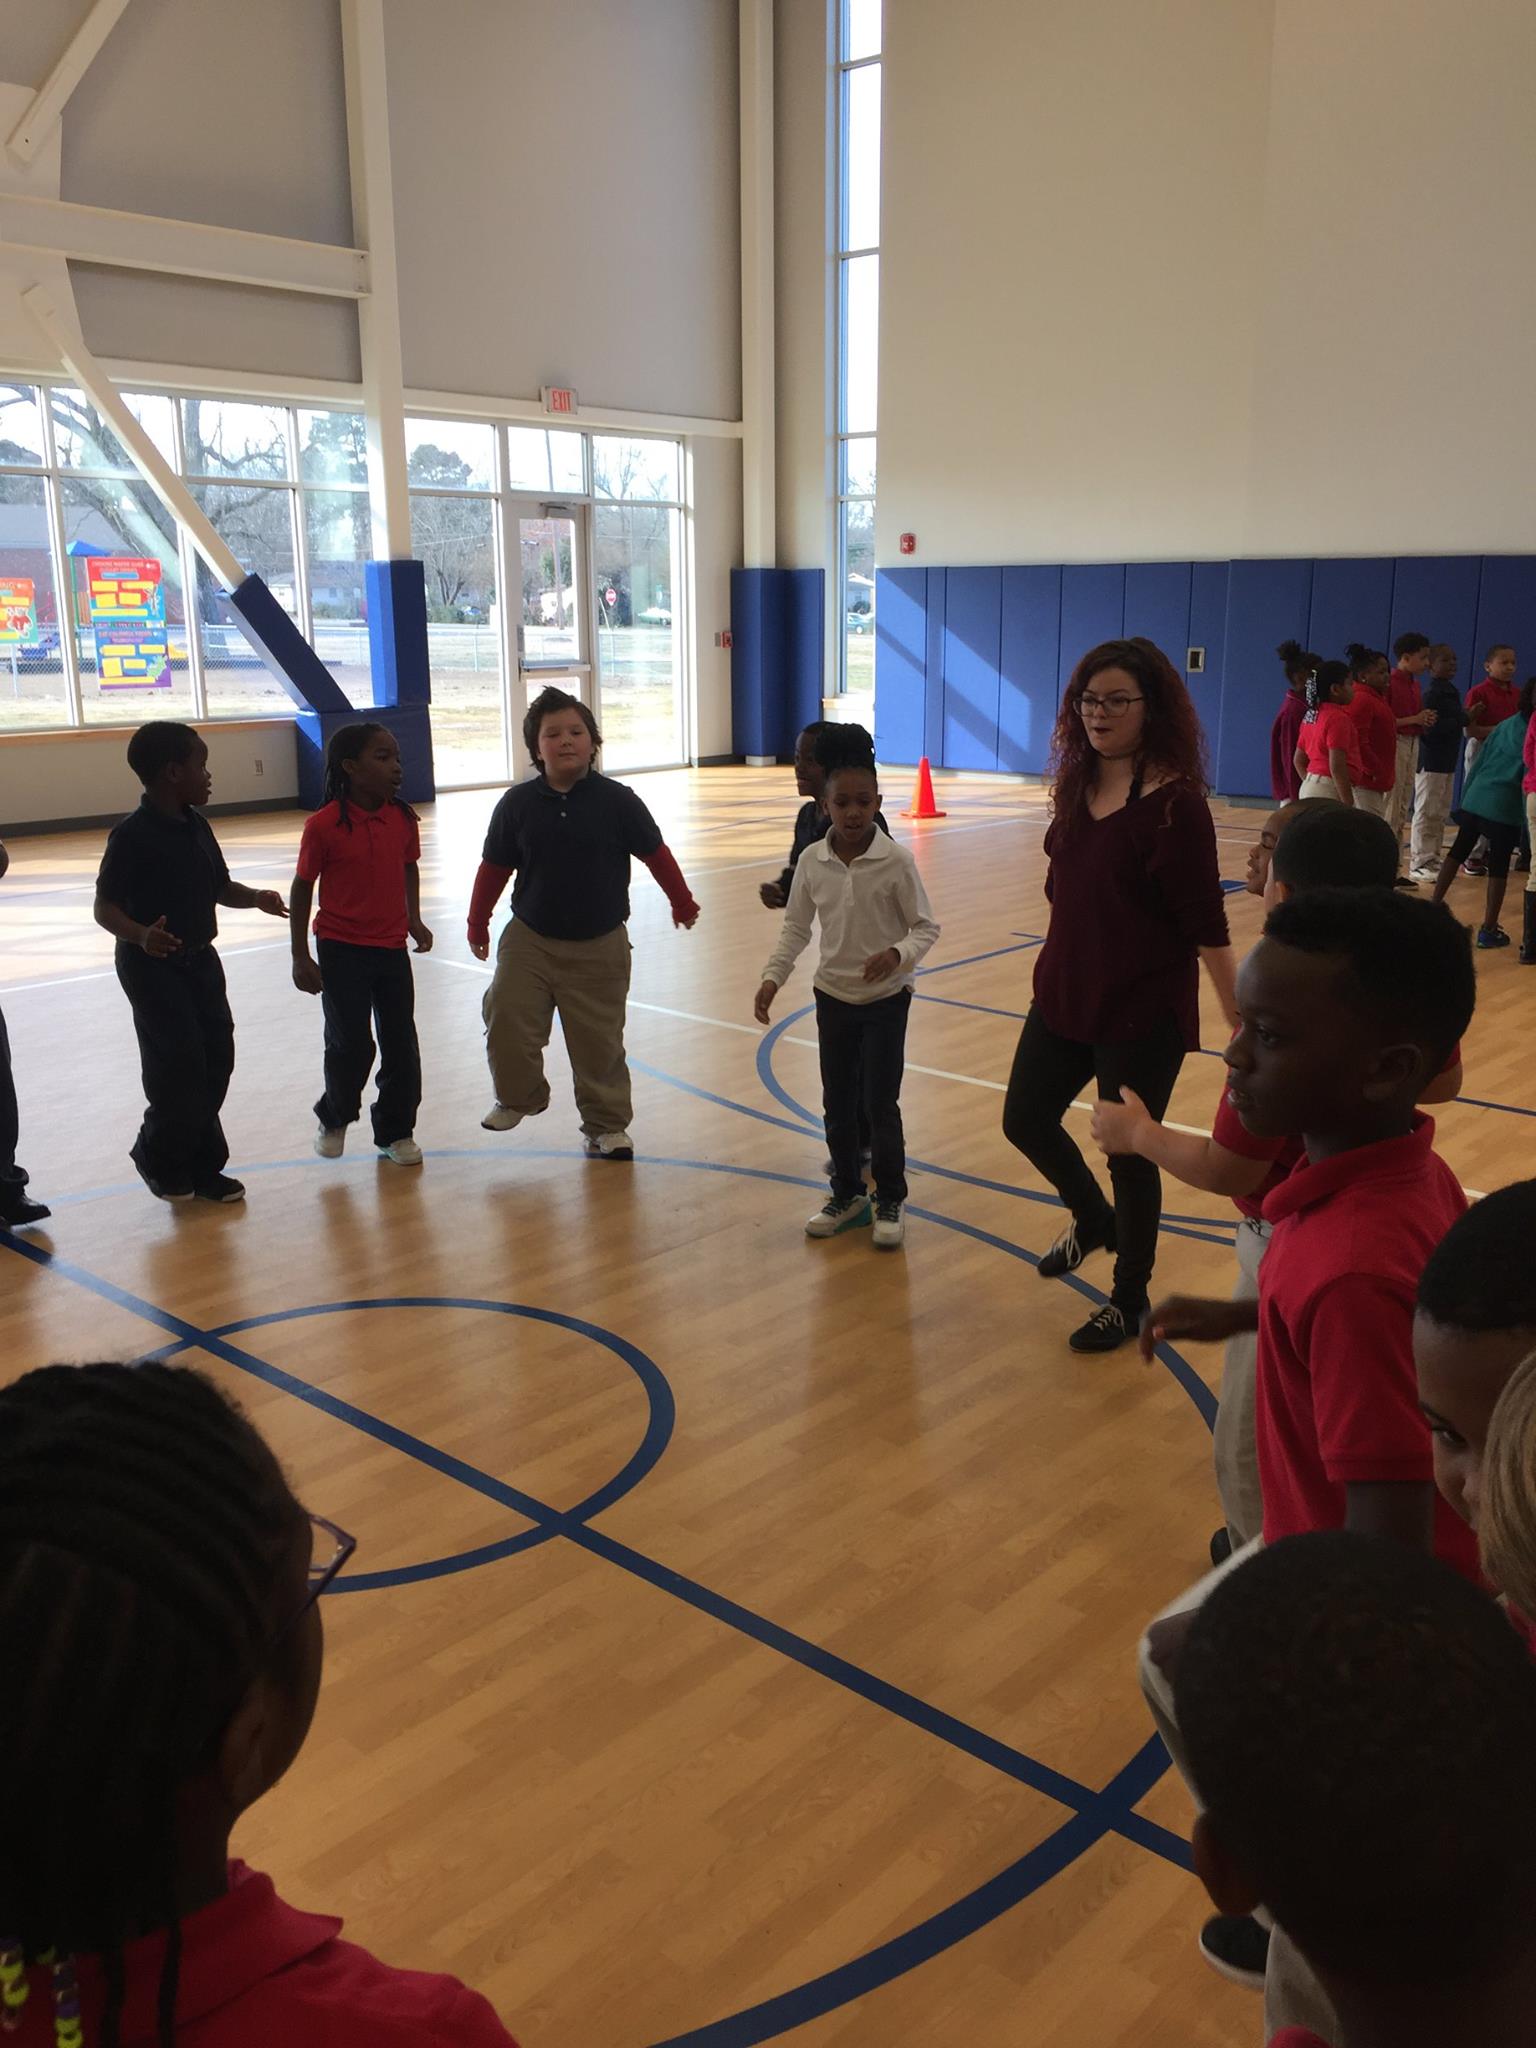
16	1209
161	878
1439	751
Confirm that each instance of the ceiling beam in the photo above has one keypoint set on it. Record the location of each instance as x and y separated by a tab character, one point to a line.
36	124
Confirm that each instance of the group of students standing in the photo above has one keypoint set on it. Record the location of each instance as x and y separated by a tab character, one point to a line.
1388	738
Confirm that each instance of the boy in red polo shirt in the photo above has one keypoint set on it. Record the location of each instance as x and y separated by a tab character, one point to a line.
1377	728
1360	1722
1351	1004
1489	703
363	848
1410	659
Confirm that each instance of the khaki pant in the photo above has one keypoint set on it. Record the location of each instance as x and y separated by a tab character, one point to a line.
1236	1440
1403	789
587	981
1530	829
1292	1995
1377	801
1431	808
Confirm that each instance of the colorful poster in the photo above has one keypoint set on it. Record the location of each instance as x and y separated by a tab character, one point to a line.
128	613
18	611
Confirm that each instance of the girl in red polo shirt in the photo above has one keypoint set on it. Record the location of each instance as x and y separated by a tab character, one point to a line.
363	848
1375	726
158	1603
1300	667
1328	752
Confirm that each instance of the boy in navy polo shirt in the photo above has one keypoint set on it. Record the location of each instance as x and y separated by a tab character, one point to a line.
162	879
568	835
1360	1722
1438	751
1351	1004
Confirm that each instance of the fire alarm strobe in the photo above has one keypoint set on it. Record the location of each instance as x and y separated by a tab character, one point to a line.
909	543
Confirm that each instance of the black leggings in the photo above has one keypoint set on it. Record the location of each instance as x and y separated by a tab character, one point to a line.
1502	841
1048	1073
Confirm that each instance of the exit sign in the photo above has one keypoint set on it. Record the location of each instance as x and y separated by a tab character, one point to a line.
559	398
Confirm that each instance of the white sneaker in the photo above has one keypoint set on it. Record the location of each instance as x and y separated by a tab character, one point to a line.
499	1118
330	1144
890	1228
609	1145
403	1152
834	1216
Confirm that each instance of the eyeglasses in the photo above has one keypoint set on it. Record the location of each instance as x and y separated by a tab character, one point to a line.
1115	705
330	1549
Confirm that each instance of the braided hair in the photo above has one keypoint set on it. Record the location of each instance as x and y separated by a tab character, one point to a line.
145	1534
345	744
842	745
1321	685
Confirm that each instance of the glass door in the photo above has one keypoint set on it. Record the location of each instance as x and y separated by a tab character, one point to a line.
549	557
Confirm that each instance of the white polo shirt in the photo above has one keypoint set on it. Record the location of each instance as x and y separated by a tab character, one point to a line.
863	907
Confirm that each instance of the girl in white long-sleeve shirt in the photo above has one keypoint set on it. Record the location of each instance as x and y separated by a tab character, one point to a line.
876	925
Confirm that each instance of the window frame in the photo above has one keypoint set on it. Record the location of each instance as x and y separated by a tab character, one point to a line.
845	254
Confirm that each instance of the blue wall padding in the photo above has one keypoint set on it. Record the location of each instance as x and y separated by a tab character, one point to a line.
1437	595
1028	656
973	614
1267	602
777	642
901	662
411	725
1351	600
1506	610
1092	609
1157	605
933	675
298	668
397	632
1208	629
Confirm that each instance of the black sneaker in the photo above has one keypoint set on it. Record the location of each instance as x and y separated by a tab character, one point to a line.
168	1191
1074	1245
1490	937
1405	882
23	1214
1107	1329
1221	1546
1236	1948
220	1189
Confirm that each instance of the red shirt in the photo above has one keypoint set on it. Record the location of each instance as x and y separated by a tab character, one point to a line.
1490	703
1377	729
1337	1395
1529	784
1332	727
1284	782
1297	2037
1404	696
360	866
258	1974
1133	897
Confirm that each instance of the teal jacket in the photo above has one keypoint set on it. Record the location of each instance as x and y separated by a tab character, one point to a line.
1493	786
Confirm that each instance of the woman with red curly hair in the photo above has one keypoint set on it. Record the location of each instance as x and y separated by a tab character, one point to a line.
1136	904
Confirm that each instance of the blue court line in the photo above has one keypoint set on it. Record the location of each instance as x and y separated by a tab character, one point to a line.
971	959
550	1522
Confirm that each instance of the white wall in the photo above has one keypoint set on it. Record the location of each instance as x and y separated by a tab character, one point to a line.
803	282
86	774
1174	278
714	465
566	199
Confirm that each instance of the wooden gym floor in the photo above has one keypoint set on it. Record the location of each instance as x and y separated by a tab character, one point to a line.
742	1636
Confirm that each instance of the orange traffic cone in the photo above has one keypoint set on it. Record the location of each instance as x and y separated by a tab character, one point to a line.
923	805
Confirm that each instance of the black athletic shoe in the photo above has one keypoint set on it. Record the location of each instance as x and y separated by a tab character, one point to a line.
168	1191
1107	1329
23	1214
1236	1948
1405	882
1075	1243
1221	1546
220	1189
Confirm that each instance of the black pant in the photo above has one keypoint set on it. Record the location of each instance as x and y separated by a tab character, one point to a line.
186	1055
1048	1073
1502	841
367	989
863	1051
13	1181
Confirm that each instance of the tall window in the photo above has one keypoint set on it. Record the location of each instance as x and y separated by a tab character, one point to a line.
858	333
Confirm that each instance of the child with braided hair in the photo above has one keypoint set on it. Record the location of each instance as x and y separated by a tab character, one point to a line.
876	925
159	1588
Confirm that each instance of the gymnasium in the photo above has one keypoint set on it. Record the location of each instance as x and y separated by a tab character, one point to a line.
740	1641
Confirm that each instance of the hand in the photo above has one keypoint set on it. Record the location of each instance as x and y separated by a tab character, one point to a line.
881	966
1200	1322
1116	1126
421	935
480	947
306	976
770	893
764	1001
1427	718
272	901
1166	1640
687	919
157	942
